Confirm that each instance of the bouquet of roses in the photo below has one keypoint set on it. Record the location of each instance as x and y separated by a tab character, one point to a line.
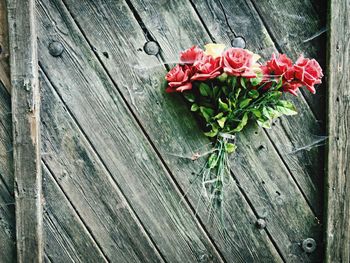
228	88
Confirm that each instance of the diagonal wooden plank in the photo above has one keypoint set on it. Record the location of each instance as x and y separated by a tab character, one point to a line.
7	211
7	225
296	28
142	178
296	139
179	122
4	47
66	238
81	175
337	187
25	119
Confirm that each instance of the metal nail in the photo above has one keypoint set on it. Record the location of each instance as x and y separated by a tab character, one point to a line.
260	223
309	245
151	48
56	48
238	42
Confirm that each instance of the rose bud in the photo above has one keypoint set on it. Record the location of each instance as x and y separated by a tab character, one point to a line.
214	50
240	62
178	79
189	56
206	68
308	72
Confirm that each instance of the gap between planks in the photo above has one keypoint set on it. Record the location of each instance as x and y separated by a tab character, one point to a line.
303	97
115	184
178	187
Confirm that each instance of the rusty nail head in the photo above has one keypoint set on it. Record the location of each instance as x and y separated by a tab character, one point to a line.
56	48
309	245
151	48
261	223
238	42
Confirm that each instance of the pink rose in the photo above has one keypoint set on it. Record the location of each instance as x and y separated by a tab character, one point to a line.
189	56
178	79
206	68
308	72
239	62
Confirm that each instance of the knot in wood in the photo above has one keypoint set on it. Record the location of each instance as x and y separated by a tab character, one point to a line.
56	48
309	245
260	223
238	42
151	48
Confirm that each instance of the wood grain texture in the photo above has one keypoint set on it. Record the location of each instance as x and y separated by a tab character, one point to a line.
174	31
7	202
66	238
4	47
297	28
25	119
295	138
87	184
337	236
117	139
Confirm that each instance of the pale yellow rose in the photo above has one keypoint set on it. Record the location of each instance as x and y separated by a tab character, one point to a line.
214	50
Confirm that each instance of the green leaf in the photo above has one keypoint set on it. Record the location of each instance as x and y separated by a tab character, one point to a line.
194	107
273	113
204	89
264	123
225	90
189	96
256	113
211	133
286	111
212	160
256	81
238	91
222	77
242	123
218	116
221	122
243	84
230	147
216	91
223	106
265	113
207	113
286	107
244	103
253	93
279	83
233	81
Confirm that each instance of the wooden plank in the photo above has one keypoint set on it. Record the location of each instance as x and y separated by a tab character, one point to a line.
87	184
25	119
337	188
7	211
143	74
140	175
66	238
7	226
4	48
295	138
296	28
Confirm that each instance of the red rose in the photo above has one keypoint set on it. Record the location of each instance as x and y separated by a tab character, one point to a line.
308	72
206	68
277	66
189	56
239	62
291	87
178	79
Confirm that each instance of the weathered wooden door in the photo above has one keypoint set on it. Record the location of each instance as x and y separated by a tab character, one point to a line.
115	148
